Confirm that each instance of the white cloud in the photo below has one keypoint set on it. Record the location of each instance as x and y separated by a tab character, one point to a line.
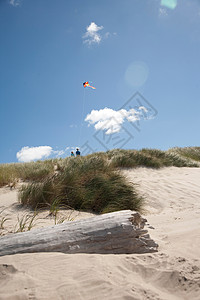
15	2
27	154
107	35
111	120
92	35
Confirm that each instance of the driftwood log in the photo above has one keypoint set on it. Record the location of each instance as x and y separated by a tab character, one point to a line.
118	232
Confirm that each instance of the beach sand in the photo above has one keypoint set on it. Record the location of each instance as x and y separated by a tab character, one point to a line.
172	208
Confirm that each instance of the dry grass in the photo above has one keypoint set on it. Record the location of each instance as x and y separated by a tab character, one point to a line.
34	171
87	183
91	183
151	158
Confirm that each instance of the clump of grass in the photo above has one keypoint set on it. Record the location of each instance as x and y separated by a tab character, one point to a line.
38	194
87	183
134	158
106	193
8	173
33	171
174	159
189	153
152	158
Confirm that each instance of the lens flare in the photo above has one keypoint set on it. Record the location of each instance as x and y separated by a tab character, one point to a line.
169	3
136	74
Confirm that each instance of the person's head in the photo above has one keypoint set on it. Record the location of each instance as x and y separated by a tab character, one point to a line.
72	152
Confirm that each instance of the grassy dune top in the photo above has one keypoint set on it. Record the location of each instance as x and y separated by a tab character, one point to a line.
117	158
92	182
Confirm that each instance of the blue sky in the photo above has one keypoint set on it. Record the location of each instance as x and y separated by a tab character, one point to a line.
49	48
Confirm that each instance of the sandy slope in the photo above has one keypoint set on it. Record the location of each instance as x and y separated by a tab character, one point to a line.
172	207
173	212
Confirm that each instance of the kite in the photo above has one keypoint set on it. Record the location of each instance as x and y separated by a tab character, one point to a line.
86	84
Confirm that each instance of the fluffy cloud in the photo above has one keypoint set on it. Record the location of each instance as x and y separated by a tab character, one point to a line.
111	120
92	35
27	154
15	2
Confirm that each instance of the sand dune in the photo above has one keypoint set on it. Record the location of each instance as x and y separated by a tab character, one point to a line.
172	209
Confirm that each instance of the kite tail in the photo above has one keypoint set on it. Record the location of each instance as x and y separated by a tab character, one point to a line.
92	87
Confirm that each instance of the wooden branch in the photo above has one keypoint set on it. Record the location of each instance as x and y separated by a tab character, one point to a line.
117	232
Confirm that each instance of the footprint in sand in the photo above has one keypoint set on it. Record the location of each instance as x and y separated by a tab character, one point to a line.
6	270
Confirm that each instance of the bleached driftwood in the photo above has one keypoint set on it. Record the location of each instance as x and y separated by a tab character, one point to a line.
118	232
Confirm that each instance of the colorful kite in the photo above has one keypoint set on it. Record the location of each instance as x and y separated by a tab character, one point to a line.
86	84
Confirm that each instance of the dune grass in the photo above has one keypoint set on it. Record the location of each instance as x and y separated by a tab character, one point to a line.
33	171
192	153
91	183
152	158
85	183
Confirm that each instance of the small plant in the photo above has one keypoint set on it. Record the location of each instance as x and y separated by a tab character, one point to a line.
69	217
25	223
55	209
2	221
31	221
21	223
